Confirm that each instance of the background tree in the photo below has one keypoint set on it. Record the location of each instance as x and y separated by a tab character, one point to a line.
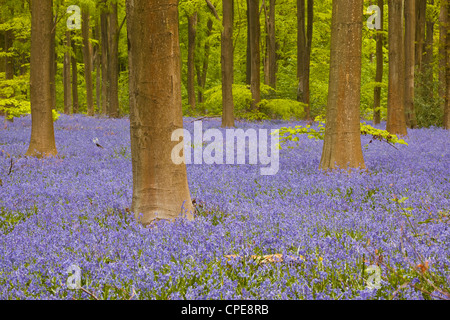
87	59
227	65
410	32
396	123
66	75
160	187
304	40
379	72
255	30
42	141
446	23
342	141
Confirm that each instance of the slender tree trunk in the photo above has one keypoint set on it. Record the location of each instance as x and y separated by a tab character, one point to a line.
75	104
396	123
304	38
42	141
379	72
227	65
421	9
9	64
342	141
410	28
249	54
53	66
202	73
192	30
255	52
443	23
97	64
428	57
446	23
87	63
66	75
271	47
160	187
105	62
113	62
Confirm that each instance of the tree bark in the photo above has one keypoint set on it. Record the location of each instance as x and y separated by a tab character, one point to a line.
379	72
42	141
304	38
421	9
87	59
446	24
249	54
202	73
227	65
342	141
271	47
396	123
428	57
66	75
105	62
160	187
255	28
113	62
192	30
75	104
410	28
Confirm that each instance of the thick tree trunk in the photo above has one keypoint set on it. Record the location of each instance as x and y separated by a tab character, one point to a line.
42	141
379	72
227	65
410	28
66	75
75	104
87	59
192	30
304	38
105	62
255	31
342	142
396	123
160	187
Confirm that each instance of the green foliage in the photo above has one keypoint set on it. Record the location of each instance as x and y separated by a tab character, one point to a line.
291	134
285	109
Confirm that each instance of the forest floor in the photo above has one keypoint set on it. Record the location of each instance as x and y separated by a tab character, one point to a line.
301	233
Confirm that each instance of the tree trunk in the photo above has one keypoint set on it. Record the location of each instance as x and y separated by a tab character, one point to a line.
271	47
160	187
342	142
202	73
66	75
446	23
9	64
421	9
428	58
255	52
249	54
227	65
443	25
410	28
97	64
304	38
105	62
396	123
74	79
113	62
53	66
192	30
42	141
87	59
379	72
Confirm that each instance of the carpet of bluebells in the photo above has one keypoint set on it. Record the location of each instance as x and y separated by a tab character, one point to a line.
73	209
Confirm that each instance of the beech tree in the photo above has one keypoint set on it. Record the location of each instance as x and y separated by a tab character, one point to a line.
304	39
254	38
227	65
342	141
42	141
379	72
410	28
396	123
87	59
160	187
